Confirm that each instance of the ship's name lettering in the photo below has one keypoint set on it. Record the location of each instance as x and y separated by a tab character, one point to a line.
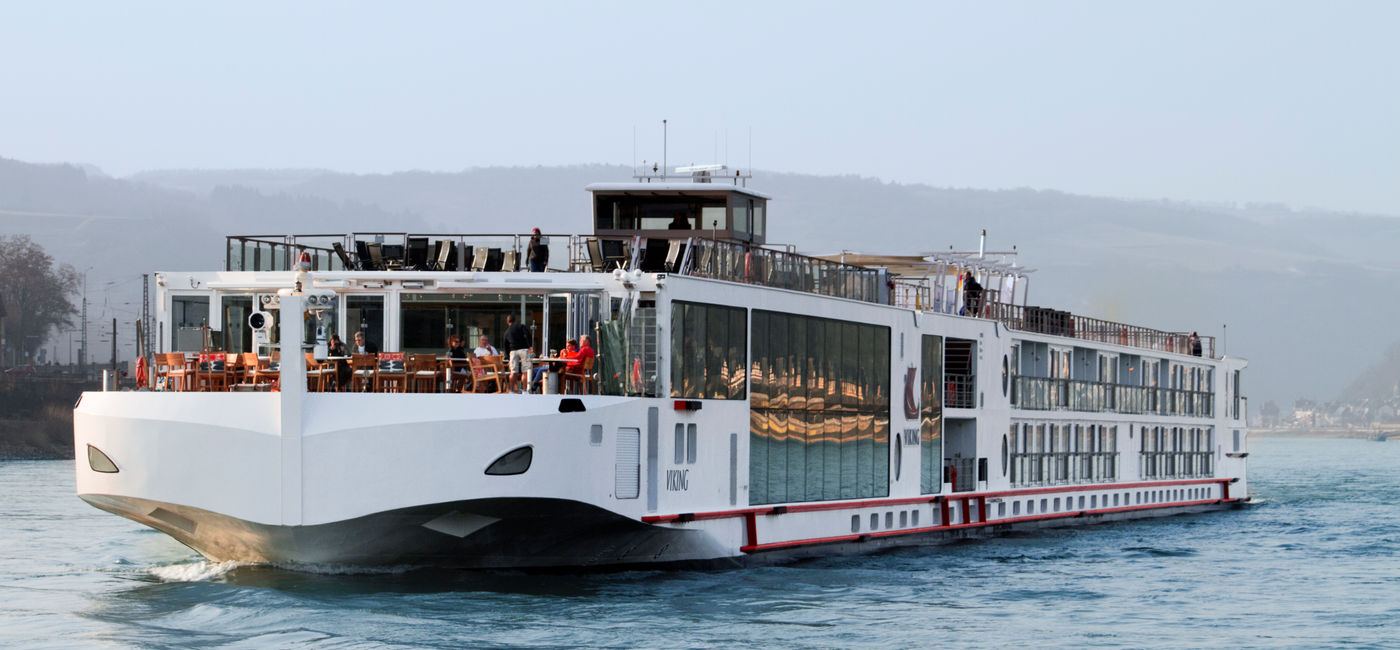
677	480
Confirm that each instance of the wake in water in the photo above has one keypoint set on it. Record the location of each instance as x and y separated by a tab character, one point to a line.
204	570
194	571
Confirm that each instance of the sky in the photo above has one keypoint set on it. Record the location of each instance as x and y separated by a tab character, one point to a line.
1287	102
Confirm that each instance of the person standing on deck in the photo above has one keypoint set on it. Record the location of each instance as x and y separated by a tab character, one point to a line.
972	295
1195	343
518	347
538	252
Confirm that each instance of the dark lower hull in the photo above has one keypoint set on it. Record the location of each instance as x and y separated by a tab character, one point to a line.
519	533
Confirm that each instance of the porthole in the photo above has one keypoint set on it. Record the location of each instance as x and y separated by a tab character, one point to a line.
1005	452
1005	375
515	461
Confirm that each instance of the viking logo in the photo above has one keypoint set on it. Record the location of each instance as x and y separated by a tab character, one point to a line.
911	404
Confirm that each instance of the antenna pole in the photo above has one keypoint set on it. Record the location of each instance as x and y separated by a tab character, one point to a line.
665	152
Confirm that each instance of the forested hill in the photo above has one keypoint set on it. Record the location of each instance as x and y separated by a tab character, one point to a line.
1302	291
1378	382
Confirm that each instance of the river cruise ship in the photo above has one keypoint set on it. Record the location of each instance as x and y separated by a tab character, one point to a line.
747	403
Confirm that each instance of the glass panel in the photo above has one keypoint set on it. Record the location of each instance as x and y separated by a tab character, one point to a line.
364	314
777	345
759	225
777	457
832	366
738	351
816	456
758	457
677	348
831	456
716	351
881	364
797	357
694	380
797	456
741	216
882	456
188	317
816	364
865	455
712	218
758	380
850	461
850	360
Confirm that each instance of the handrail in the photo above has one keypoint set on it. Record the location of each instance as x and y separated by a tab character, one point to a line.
1042	320
1053	393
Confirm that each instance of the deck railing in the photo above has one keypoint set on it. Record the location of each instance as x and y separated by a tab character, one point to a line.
1048	393
1042	320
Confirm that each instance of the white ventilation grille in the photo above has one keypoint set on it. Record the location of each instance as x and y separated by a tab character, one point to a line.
627	471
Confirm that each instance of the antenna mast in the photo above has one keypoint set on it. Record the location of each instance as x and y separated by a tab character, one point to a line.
664	150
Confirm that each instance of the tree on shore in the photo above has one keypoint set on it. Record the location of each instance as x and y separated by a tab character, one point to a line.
36	296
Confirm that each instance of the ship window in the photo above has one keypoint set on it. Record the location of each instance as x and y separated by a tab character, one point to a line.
680	443
709	345
806	443
855	523
515	461
595	435
904	519
914	519
366	314
874	521
759	227
690	443
188	316
931	415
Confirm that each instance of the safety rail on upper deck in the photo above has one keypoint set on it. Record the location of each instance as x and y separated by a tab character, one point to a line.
692	256
721	260
1042	320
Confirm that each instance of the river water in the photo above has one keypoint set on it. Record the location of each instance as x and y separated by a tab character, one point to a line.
1314	563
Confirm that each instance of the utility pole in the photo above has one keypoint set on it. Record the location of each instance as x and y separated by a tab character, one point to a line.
145	334
114	345
83	344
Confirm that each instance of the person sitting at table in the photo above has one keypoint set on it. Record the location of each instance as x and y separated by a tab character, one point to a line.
362	346
570	351
484	348
455	348
342	369
585	351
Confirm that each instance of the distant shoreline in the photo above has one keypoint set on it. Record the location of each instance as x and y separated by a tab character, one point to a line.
37	421
1391	431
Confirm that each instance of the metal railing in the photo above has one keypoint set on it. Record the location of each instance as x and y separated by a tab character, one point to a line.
1062	468
960	391
733	262
1043	320
279	252
1048	394
1175	464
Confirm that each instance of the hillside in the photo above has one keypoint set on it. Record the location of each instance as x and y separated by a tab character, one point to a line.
1297	288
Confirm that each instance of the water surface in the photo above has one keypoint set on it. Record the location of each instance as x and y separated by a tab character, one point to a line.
1316	562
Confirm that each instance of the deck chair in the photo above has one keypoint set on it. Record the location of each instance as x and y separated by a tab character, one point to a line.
615	254
494	258
479	258
362	257
443	256
595	257
376	256
508	262
345	261
416	255
654	257
674	255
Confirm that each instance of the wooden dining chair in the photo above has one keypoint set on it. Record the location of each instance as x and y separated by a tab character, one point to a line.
581	376
179	372
459	374
318	374
423	373
362	368
160	368
249	366
269	370
212	372
390	372
484	377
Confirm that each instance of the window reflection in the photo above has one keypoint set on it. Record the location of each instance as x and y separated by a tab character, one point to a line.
820	424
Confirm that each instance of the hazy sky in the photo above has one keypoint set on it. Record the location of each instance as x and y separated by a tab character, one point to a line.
1297	102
